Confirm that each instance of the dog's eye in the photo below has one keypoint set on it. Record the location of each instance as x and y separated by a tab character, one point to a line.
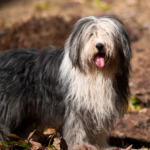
91	34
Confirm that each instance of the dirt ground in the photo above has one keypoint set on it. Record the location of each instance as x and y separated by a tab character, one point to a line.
39	23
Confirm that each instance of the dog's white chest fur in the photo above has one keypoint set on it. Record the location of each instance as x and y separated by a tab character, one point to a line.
93	93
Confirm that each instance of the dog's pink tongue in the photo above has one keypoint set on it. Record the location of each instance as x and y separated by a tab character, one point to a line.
100	62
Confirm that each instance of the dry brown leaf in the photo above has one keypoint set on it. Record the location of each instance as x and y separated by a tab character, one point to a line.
49	131
13	137
35	135
56	143
35	145
129	148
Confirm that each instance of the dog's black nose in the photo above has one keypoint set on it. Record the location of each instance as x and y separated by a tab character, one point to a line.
99	46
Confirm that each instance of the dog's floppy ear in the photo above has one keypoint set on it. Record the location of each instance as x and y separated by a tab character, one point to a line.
126	49
75	45
122	76
123	42
75	42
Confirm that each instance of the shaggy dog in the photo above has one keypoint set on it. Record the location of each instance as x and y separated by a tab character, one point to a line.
79	90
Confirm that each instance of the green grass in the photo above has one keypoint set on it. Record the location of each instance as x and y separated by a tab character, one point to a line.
101	4
42	6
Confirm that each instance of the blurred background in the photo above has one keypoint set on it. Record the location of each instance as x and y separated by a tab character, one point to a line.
39	23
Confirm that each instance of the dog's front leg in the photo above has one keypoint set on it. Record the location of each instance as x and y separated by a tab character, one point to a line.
74	133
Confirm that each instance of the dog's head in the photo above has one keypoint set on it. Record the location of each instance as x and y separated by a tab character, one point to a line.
98	43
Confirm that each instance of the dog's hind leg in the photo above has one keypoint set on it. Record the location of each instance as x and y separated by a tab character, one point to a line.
4	130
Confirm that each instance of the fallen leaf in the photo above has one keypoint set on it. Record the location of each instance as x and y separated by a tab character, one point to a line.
49	131
56	143
35	145
13	137
129	148
5	143
35	135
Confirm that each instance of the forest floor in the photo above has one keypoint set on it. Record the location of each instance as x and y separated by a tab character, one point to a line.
39	23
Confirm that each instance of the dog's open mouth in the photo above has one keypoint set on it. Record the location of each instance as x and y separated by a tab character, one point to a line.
100	59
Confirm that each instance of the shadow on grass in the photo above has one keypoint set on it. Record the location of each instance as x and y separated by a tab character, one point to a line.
5	2
125	142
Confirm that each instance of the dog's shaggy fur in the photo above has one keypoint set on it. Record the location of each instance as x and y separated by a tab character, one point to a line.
78	90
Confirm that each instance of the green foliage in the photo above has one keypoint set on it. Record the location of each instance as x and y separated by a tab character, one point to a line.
134	102
16	145
50	141
100	4
49	137
26	141
5	143
41	6
133	106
